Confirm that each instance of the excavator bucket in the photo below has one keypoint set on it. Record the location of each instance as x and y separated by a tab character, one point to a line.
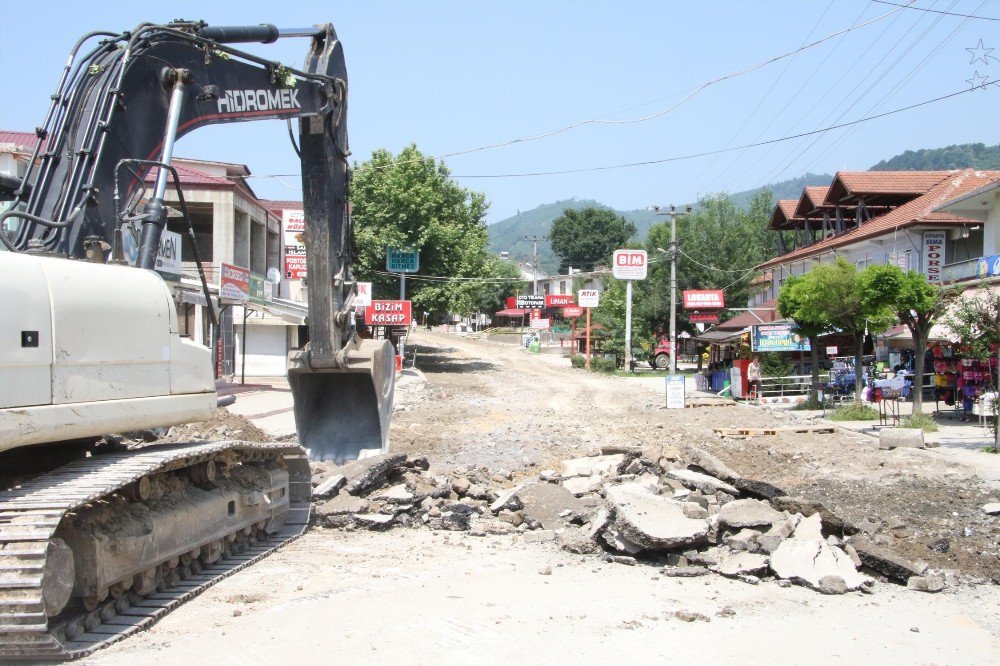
343	413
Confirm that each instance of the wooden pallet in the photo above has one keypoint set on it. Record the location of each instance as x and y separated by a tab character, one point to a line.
774	431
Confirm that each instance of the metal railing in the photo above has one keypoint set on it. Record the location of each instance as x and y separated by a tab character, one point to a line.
961	270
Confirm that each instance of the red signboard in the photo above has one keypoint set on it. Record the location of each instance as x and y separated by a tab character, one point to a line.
703	318
234	283
388	313
700	299
295	266
572	311
558	300
511	302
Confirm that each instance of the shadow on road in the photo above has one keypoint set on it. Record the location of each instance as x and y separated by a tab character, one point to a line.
440	360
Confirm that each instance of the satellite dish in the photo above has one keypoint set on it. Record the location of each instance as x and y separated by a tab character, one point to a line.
273	275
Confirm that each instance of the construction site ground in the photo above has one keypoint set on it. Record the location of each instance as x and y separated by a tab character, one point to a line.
419	596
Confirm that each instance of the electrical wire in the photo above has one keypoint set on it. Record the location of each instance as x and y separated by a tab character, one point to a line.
713	268
937	11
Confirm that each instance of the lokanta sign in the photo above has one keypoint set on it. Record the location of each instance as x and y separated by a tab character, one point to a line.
558	300
629	265
388	313
700	299
234	283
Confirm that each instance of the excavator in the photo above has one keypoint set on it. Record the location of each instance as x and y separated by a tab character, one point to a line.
98	539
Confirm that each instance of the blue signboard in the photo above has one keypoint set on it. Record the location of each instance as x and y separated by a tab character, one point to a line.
989	266
777	338
402	261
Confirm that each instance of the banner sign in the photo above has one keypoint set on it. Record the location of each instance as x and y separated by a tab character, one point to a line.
293	227
530	302
402	261
933	255
777	338
831	351
388	313
675	391
987	266
261	289
629	265
234	283
541	323
168	259
364	296
588	298
703	317
558	300
700	299
511	303
572	311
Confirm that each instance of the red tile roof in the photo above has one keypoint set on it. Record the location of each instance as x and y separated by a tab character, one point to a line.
916	211
25	139
784	211
191	176
871	183
811	199
278	205
763	313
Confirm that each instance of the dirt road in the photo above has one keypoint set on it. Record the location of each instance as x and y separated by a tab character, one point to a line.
417	596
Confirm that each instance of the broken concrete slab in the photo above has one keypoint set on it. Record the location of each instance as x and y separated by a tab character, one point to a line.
373	521
894	438
507	499
885	561
605	466
925	583
576	540
543	503
539	536
810	528
341	505
810	562
745	539
703	482
329	486
581	485
653	521
992	509
749	513
367	473
616	541
398	494
700	460
832	523
739	564
758	489
684	572
694	510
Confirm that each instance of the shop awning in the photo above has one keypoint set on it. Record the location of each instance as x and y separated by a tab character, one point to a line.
513	312
717	336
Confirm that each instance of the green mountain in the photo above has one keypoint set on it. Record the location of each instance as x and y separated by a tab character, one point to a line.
960	156
786	189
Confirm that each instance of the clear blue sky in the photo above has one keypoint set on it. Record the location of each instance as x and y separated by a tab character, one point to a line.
451	76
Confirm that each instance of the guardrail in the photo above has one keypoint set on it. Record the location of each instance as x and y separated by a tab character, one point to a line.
792	389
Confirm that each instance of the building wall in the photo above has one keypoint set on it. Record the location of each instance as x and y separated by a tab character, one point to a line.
266	347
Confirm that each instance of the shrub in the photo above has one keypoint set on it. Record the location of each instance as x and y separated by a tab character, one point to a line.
578	361
922	421
854	411
605	365
810	404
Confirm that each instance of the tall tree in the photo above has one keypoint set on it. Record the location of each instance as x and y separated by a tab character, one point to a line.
917	304
792	304
409	201
835	295
587	237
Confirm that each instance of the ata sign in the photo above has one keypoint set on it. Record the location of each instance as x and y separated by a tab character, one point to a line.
402	261
558	300
629	265
588	298
572	311
530	302
933	255
234	283
388	313
364	296
700	299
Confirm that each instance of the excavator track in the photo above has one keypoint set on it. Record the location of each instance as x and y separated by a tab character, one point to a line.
31	513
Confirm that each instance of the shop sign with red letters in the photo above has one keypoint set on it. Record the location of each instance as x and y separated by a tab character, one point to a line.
388	313
558	300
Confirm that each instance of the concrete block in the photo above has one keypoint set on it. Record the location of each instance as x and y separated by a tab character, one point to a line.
894	438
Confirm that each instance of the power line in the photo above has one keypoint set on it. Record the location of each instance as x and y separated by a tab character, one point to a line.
936	11
725	150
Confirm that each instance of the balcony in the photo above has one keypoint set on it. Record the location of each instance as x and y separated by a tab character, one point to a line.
960	270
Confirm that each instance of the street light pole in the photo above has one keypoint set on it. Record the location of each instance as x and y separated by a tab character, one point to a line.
534	268
674	251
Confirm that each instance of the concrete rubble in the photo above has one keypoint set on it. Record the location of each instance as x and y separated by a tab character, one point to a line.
676	515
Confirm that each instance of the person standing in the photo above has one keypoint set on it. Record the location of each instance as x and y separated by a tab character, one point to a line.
753	378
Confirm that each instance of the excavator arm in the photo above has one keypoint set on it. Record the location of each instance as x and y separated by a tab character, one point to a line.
117	112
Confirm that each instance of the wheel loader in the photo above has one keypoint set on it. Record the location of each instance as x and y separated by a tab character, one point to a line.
98	541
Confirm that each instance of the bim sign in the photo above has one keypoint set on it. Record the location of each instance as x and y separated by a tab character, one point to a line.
629	265
388	313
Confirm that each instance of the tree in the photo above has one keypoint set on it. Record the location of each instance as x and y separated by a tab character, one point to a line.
792	305
587	237
976	321
410	202
917	304
835	295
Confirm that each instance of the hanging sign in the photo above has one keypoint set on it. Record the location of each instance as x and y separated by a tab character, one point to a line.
701	299
588	298
530	302
234	283
293	227
629	265
777	338
364	296
572	311
388	313
703	317
933	255
402	261
558	300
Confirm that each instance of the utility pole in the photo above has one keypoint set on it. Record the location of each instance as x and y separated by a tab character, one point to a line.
534	267
672	253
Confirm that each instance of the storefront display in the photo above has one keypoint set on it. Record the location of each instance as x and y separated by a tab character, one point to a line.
959	380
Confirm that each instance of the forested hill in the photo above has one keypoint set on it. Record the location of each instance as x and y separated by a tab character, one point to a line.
961	156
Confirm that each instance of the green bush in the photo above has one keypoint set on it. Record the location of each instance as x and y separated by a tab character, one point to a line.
601	364
810	404
578	361
922	421
854	411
